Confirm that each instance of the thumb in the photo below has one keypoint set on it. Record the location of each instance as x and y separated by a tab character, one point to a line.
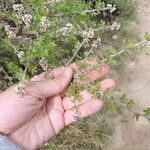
47	88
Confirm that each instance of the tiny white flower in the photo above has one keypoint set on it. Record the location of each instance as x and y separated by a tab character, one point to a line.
19	9
111	7
88	34
115	25
10	33
97	43
27	19
7	28
69	25
44	24
67	29
53	2
20	54
43	62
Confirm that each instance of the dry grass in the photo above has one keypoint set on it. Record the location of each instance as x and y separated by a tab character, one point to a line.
91	133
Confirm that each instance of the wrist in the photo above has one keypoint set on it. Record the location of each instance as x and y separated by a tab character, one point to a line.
6	143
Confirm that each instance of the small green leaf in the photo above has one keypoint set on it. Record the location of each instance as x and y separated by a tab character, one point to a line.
147	111
130	104
137	116
147	36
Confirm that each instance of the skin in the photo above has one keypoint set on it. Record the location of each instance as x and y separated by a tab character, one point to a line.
34	118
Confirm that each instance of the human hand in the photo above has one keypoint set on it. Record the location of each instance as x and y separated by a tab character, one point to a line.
34	118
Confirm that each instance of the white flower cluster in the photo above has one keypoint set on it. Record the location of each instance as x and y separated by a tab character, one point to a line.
9	31
11	34
27	19
43	62
111	7
67	29
97	43
115	25
88	34
44	24
19	9
53	2
20	54
20	13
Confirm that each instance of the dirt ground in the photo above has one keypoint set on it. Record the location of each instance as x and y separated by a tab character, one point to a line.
135	82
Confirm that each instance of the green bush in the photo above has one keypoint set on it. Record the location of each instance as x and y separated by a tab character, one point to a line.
53	33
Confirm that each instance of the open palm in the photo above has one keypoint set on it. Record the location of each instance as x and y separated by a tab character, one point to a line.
34	118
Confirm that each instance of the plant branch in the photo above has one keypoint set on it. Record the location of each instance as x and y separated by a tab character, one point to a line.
13	47
85	11
95	10
138	45
76	53
89	52
120	104
6	74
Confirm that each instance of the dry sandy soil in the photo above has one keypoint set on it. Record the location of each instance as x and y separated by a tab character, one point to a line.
135	81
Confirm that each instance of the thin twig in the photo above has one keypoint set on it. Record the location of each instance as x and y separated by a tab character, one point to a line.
96	10
105	135
89	52
6	74
25	74
101	28
13	47
76	52
85	11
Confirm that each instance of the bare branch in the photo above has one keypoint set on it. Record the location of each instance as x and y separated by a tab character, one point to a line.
85	11
13	47
6	74
138	45
89	52
95	10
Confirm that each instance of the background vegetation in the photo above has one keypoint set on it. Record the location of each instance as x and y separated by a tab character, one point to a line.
31	44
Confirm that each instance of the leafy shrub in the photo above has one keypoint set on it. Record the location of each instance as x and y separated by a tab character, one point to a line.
53	33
